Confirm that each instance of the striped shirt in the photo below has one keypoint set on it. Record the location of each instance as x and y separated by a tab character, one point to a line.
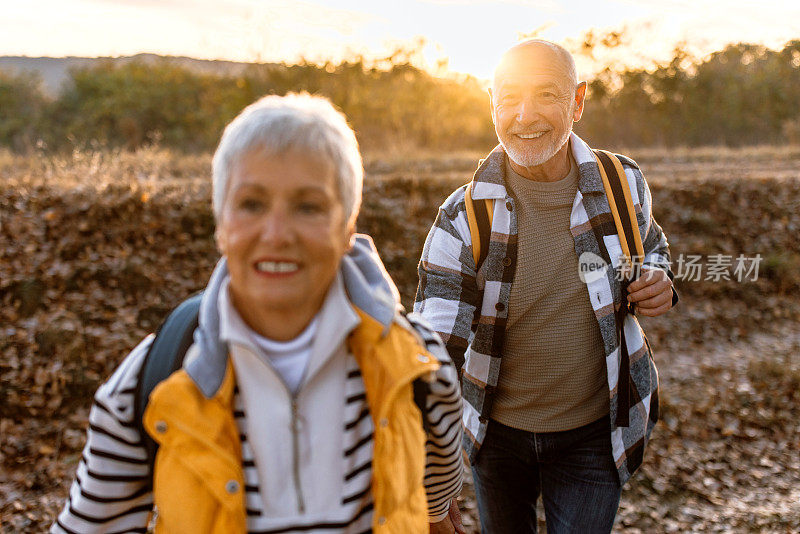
110	491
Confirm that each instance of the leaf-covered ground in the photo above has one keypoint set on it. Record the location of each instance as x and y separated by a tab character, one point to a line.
96	248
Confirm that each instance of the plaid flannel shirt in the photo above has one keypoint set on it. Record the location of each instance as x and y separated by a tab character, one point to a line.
450	290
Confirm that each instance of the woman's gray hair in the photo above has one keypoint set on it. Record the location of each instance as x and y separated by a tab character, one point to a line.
302	123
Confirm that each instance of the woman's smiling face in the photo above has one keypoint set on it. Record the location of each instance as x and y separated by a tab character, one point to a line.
283	231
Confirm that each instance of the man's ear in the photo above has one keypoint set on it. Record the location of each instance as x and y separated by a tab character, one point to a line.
580	100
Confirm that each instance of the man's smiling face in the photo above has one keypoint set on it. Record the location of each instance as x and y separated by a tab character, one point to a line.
535	100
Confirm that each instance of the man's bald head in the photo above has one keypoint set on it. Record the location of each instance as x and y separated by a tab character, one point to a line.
533	55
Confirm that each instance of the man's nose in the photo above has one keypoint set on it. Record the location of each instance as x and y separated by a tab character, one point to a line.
527	111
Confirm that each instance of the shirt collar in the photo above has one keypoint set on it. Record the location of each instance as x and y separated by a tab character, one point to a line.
336	319
489	179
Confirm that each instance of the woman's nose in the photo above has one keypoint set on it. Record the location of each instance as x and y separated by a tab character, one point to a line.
276	227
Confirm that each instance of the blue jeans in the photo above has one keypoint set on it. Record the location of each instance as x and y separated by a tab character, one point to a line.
572	470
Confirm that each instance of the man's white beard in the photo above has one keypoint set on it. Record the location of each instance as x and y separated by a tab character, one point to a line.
529	158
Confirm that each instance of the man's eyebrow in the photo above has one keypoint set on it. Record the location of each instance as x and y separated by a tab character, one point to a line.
547	85
511	86
517	86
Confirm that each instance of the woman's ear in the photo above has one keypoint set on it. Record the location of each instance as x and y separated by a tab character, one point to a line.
351	237
219	239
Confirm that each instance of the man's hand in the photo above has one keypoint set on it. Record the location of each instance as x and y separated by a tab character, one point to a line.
450	524
651	293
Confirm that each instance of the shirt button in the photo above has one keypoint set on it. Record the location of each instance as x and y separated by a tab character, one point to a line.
499	306
506	261
384	422
509	206
232	487
161	427
423	358
381	520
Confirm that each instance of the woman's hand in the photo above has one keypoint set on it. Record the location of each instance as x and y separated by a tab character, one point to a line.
450	524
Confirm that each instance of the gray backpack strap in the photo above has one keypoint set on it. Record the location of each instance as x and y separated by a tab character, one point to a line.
421	391
164	357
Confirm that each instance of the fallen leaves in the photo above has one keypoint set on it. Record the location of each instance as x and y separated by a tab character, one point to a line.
88	267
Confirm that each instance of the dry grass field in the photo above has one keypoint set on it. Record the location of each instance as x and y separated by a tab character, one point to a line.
95	248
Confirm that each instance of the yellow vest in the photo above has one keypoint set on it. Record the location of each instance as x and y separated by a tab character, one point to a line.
198	480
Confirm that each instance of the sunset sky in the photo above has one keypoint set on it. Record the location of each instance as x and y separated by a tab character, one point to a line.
470	33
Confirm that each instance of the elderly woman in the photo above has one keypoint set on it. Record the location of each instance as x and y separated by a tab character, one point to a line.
296	408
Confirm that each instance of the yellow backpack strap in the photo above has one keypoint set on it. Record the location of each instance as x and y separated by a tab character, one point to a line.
479	219
618	193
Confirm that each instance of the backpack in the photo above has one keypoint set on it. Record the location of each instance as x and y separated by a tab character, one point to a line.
615	184
166	354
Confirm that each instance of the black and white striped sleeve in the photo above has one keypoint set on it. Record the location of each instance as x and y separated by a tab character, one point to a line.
110	492
443	462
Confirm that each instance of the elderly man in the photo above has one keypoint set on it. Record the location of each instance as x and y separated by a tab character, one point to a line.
537	345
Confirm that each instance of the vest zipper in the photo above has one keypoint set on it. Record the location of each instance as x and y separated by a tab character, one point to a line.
301	506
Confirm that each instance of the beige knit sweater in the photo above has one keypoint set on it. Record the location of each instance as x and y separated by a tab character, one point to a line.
553	375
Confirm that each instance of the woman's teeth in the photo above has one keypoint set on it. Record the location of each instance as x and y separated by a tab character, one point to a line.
276	266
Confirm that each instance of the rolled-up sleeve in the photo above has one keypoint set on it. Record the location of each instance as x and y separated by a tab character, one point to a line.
447	294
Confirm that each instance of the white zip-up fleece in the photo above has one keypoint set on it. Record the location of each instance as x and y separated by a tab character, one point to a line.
316	411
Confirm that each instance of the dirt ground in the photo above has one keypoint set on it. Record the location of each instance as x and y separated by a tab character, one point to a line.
96	248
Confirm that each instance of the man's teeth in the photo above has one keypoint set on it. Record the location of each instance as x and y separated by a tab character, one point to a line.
277	266
531	135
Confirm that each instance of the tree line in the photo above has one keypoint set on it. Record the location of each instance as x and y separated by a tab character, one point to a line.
744	94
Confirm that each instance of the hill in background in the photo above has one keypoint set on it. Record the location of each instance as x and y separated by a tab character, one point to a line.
54	71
